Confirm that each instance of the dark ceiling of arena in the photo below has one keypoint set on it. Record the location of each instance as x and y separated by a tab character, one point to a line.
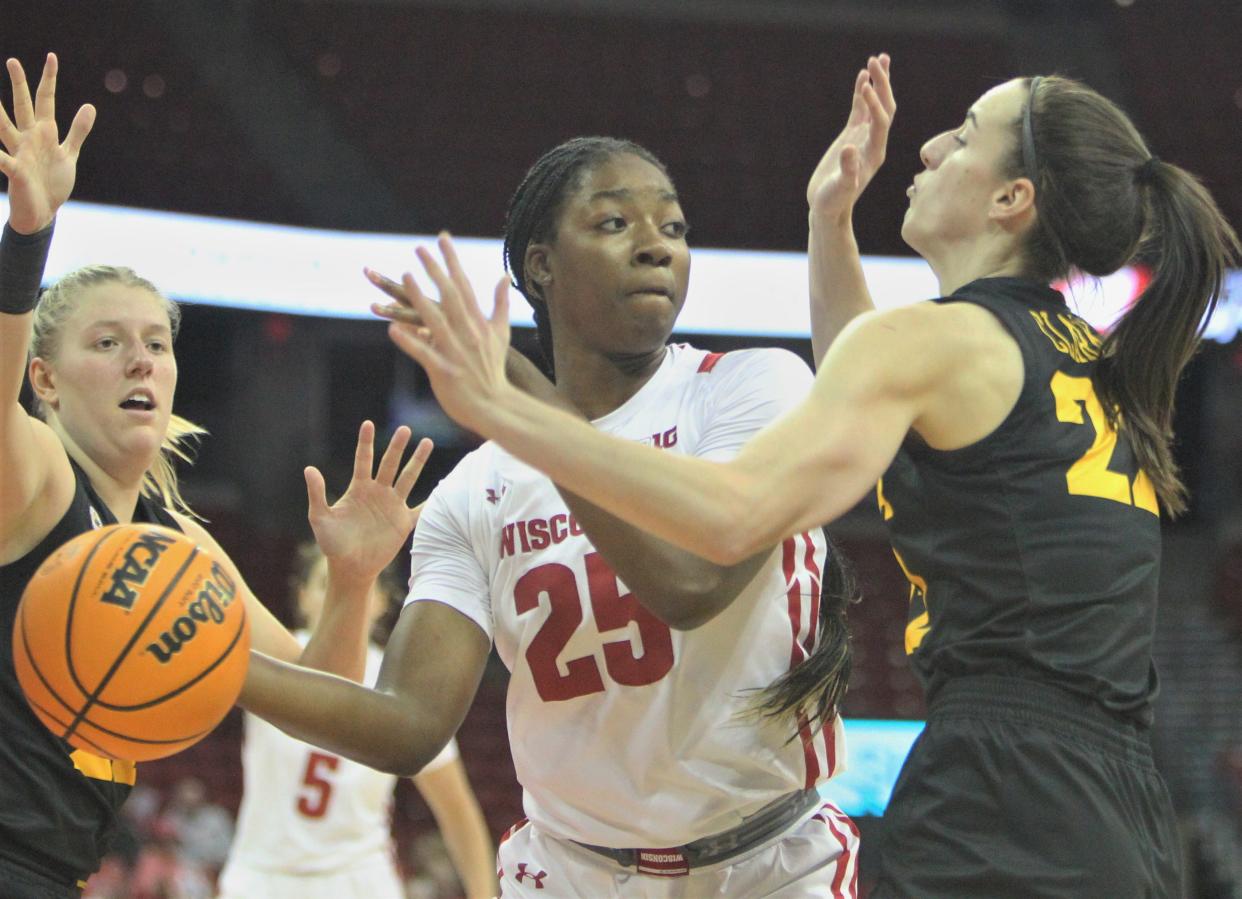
412	116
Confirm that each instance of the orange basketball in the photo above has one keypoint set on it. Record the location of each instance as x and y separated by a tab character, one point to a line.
131	642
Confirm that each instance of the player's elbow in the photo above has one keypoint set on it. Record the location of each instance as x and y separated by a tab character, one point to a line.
731	531
409	760
737	537
699	597
689	615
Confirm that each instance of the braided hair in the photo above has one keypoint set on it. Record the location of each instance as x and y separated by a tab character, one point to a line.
536	205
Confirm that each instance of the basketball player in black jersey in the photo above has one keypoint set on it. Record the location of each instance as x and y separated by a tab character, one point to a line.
1023	463
103	372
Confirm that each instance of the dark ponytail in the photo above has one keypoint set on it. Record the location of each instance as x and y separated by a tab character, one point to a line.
1102	201
816	687
536	204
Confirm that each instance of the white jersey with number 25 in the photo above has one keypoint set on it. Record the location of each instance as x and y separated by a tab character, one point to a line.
625	733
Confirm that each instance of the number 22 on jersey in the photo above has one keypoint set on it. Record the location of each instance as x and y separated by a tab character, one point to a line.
1090	474
613	610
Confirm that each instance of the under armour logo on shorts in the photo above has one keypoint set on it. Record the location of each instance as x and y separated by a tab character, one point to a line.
523	874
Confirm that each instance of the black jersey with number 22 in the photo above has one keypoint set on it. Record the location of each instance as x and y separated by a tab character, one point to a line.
1034	552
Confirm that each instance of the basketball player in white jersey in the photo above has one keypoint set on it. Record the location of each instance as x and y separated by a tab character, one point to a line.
668	746
313	825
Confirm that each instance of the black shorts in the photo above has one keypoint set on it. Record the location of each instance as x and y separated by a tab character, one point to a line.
1019	789
20	882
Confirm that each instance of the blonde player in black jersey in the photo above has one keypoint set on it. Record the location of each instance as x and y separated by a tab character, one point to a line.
1024	461
98	346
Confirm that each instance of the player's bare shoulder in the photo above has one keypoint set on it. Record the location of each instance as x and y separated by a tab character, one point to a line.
980	366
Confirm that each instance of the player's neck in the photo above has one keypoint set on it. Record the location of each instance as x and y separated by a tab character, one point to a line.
598	383
119	489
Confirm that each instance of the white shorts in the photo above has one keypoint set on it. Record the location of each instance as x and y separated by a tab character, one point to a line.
816	858
374	878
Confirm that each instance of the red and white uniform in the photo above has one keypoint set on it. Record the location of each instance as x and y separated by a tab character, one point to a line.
626	734
312	824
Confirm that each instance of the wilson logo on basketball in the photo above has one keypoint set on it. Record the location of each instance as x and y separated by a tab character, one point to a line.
207	607
137	563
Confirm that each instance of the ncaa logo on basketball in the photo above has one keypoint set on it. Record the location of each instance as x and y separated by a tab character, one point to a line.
140	557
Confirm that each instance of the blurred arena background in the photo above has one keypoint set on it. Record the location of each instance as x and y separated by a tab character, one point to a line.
407	116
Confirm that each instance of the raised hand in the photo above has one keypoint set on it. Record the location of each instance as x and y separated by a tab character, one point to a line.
40	168
401	309
462	351
858	152
363	530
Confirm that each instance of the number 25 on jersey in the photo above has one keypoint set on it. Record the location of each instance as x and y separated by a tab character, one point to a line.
626	664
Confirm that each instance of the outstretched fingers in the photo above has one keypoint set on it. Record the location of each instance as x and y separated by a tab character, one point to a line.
386	474
416	343
453	302
470	306
413	468
499	321
23	108
81	126
8	131
316	493
878	70
858	106
364	451
45	93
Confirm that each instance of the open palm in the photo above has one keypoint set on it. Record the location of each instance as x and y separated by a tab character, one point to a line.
364	529
858	151
40	168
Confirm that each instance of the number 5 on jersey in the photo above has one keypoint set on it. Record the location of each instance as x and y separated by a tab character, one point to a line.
627	664
316	790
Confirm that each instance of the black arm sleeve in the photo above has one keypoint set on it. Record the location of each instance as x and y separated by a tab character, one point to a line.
22	260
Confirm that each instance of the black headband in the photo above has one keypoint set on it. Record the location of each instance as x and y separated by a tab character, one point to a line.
1028	133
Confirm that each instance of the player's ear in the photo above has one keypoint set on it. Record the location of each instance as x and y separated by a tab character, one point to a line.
43	382
1013	204
538	266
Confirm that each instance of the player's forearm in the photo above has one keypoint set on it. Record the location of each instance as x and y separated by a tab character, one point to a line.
461	823
23	258
680	588
339	642
692	503
470	847
377	729
838	289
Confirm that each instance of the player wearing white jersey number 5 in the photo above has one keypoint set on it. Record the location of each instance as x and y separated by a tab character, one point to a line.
313	825
641	674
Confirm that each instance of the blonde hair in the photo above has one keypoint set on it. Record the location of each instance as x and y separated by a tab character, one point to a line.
53	310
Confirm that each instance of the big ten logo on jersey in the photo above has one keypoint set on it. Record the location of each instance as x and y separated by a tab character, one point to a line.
662	439
636	648
206	609
135	568
1070	335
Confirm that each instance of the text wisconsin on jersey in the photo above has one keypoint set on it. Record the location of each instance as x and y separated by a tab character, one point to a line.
534	534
